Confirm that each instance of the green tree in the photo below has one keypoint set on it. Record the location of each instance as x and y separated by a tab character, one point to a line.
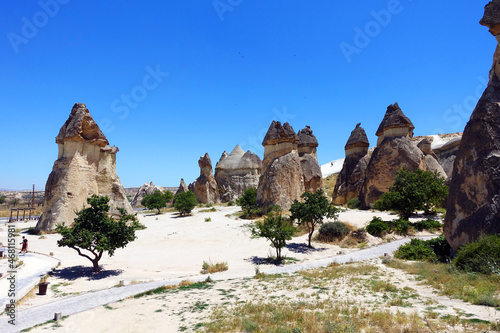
95	232
312	211
248	203
276	230
2	199
185	202
412	191
157	200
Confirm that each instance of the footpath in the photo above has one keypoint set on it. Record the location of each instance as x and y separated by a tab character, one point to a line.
38	266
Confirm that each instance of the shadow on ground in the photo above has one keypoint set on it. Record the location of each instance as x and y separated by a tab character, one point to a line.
303	248
76	272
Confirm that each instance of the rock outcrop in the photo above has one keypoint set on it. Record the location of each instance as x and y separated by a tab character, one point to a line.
236	172
473	206
447	153
86	165
431	160
182	187
311	171
281	181
394	150
352	176
205	187
146	189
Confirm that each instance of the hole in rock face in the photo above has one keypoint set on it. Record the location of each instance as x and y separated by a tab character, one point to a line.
69	194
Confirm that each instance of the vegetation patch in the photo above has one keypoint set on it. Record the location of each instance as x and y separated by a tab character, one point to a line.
209	267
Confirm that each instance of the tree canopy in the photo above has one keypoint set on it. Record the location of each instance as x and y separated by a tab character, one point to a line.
275	229
412	191
94	232
248	203
312	211
185	202
157	200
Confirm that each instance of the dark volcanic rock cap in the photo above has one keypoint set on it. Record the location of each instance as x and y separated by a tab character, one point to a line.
81	127
491	17
307	138
394	118
278	133
358	138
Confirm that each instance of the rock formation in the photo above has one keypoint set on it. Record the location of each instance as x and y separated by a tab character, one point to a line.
447	153
205	187
144	190
281	181
86	165
431	160
351	178
311	171
236	172
394	150
473	205
182	187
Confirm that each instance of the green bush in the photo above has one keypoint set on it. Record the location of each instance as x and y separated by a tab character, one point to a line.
440	247
481	256
354	203
248	203
400	226
428	224
333	230
377	226
185	202
274	209
416	249
230	203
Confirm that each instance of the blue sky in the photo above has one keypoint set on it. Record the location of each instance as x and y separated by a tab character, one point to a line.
169	80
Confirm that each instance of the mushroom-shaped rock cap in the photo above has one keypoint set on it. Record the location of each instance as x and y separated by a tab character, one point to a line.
250	161
358	138
278	133
394	118
491	17
81	127
307	138
232	160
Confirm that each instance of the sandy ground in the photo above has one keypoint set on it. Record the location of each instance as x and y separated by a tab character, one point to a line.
171	248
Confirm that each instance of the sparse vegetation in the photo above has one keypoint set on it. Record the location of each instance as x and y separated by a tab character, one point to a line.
354	203
209	267
275	229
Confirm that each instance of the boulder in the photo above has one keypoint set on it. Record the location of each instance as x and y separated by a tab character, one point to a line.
205	187
431	160
144	190
237	172
473	206
86	165
352	176
311	170
281	181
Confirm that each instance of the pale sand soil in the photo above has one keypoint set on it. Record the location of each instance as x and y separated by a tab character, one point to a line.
174	247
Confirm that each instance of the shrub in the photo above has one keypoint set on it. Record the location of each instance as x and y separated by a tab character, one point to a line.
208	219
274	209
440	247
416	249
333	230
428	224
400	226
209	267
354	203
185	202
248	203
230	203
377	227
481	256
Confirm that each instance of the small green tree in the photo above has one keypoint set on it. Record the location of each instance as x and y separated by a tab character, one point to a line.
412	191
276	230
2	199
312	211
157	200
248	203
95	232
185	202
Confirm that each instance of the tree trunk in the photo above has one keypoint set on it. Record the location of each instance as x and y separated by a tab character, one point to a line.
96	265
278	254
310	235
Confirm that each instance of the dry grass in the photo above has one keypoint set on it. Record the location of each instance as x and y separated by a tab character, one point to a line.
209	267
329	184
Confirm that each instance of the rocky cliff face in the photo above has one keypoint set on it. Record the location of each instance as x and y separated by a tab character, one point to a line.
352	175
311	171
474	202
146	189
281	181
182	187
236	172
205	187
86	165
431	160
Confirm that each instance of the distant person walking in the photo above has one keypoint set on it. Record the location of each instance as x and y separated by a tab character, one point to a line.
24	243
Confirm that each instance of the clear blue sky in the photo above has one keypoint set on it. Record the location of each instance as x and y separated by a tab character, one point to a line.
170	80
